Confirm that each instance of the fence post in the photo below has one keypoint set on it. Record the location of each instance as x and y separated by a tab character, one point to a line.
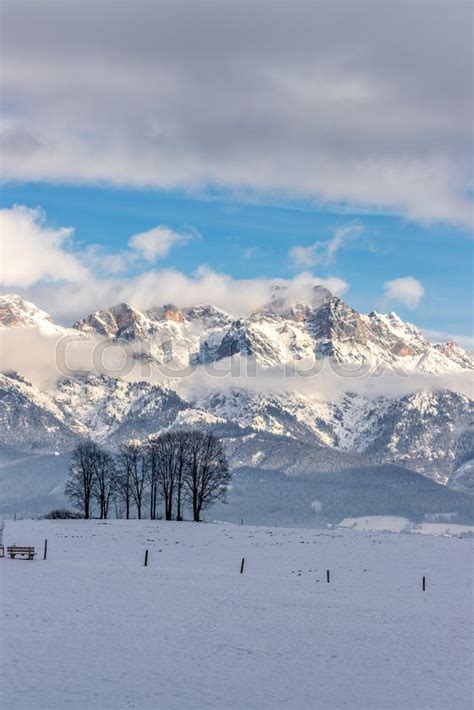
45	551
242	565
146	558
424	584
327	576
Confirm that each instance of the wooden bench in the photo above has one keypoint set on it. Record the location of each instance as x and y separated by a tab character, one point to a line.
14	550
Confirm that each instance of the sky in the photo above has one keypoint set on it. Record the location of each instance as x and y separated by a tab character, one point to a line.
202	152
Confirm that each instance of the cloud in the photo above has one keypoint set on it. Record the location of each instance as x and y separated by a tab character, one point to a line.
324	252
156	243
34	352
304	256
406	290
311	99
101	260
329	381
69	283
32	252
68	302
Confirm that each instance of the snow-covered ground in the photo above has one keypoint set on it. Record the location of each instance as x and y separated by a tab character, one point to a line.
92	628
393	523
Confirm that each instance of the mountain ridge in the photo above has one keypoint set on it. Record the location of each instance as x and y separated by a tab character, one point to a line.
263	425
320	328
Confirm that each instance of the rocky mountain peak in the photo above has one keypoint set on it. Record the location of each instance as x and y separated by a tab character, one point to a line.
284	308
208	313
456	354
16	312
320	296
284	305
126	316
120	321
334	320
287	330
167	312
171	312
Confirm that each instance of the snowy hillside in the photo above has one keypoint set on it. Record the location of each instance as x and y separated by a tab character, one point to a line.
189	631
29	419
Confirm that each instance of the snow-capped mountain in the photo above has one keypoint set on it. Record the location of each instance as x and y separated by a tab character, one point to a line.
105	405
264	425
15	312
29	419
168	335
281	333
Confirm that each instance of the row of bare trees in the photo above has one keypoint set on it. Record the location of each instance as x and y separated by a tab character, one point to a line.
168	472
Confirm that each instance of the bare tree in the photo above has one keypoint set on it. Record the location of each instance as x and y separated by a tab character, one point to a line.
80	484
125	463
153	473
181	463
207	474
164	451
177	466
105	482
138	463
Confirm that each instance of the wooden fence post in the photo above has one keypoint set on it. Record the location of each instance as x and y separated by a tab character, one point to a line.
424	584
327	576
45	552
146	558
242	565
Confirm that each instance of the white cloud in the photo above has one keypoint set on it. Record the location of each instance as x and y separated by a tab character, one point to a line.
331	111
67	302
85	281
100	260
156	243
304	256
32	252
406	290
323	253
33	353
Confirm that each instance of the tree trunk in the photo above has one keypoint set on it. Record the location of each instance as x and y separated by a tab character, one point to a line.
178	501
153	502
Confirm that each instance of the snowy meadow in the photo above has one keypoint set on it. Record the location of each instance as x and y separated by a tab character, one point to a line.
92	628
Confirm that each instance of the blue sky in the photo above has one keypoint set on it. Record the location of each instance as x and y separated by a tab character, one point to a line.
203	154
253	240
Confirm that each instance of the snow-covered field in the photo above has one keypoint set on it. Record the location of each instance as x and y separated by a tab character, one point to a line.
92	628
393	523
